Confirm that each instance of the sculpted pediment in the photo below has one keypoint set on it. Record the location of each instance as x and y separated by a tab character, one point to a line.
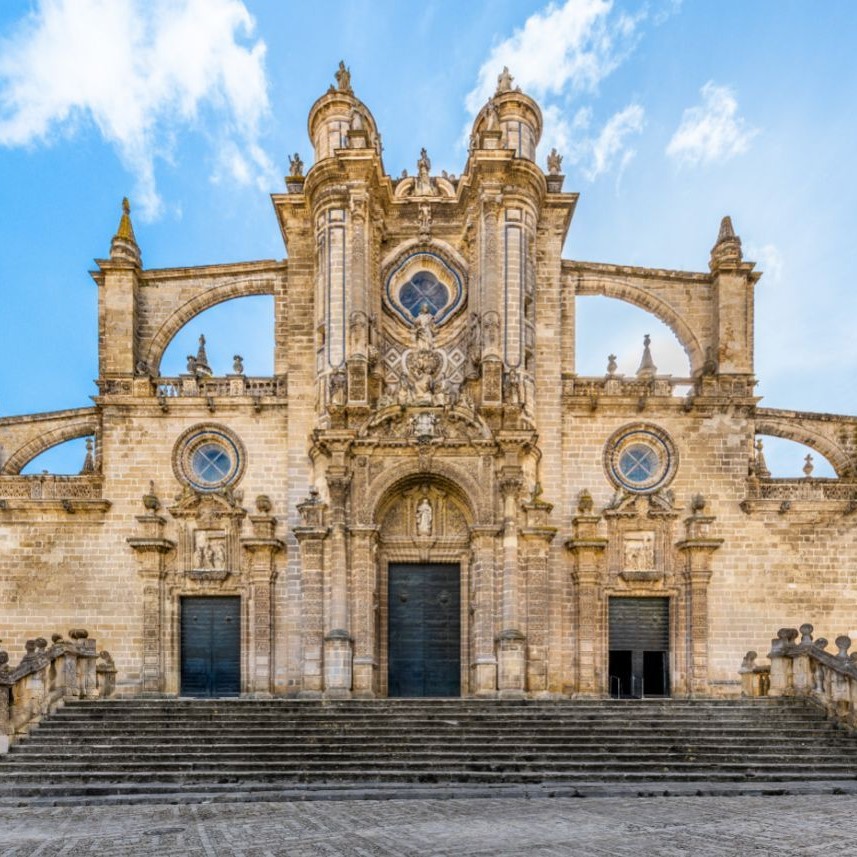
457	423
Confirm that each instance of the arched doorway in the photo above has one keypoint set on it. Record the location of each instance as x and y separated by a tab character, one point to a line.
423	567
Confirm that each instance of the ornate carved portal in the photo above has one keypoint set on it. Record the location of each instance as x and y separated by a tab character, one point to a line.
214	555
422	522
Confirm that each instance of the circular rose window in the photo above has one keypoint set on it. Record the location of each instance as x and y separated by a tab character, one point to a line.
640	458
208	458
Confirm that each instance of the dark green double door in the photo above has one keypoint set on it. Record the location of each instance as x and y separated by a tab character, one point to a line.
210	646
424	630
639	647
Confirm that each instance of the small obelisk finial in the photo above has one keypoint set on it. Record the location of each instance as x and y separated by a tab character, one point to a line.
201	366
123	247
647	365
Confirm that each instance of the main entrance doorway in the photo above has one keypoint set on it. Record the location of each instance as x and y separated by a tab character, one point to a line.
639	647
424	615
210	646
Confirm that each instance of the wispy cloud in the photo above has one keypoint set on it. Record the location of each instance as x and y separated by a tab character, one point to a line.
139	70
711	131
559	55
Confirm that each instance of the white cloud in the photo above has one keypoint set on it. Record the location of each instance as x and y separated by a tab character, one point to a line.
560	54
711	131
594	153
573	46
138	70
768	259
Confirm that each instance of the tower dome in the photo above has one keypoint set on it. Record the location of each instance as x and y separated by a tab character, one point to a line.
339	120
514	115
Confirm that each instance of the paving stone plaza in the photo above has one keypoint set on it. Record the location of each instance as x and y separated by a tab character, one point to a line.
699	826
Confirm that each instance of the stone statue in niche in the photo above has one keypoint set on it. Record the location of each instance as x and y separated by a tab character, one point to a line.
639	550
512	387
209	550
424	517
424	329
338	388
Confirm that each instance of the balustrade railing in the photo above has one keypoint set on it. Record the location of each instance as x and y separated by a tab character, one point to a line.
232	385
47	676
805	668
50	487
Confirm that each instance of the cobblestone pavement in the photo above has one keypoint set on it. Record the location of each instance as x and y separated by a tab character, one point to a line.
667	827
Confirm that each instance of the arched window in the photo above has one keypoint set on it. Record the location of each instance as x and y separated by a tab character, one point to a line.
64	459
242	326
786	459
605	326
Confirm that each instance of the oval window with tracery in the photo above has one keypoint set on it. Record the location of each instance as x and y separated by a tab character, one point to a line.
641	458
424	289
208	458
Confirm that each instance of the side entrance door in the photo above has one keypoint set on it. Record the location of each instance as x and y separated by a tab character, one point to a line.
210	646
639	647
424	631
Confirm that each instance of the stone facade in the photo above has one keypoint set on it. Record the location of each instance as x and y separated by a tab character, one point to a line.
425	409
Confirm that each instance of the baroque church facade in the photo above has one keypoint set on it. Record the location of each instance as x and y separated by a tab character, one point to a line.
425	499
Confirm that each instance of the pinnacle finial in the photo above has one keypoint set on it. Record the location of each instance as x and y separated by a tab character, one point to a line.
647	365
124	245
727	250
201	366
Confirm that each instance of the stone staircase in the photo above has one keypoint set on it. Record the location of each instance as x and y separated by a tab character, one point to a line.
136	751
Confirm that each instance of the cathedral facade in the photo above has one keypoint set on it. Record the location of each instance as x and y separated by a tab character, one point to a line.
425	499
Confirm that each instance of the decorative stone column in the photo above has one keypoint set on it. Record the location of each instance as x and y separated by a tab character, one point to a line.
484	665
151	548
337	639
698	548
363	543
537	537
310	536
511	642
261	573
587	547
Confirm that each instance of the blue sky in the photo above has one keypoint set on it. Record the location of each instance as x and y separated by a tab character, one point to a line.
670	114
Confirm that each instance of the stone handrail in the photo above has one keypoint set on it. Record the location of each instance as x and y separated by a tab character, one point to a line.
50	487
805	668
619	385
230	385
47	676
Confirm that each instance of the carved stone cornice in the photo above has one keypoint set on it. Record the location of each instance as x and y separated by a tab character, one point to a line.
309	533
151	545
593	544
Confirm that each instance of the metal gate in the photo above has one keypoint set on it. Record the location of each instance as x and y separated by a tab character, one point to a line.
210	646
424	630
639	647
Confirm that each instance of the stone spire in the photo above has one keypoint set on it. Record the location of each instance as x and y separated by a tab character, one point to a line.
727	250
89	461
124	247
201	366
761	465
647	365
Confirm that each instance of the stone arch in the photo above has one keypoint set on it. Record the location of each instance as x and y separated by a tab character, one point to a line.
839	459
624	290
18	460
462	486
243	288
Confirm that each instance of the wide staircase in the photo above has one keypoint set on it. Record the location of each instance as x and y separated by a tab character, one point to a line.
240	749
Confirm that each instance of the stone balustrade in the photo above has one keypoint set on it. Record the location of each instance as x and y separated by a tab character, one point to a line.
620	386
47	676
50	487
804	667
807	488
226	386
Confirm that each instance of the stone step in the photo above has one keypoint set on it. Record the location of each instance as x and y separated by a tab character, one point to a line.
119	778
135	749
